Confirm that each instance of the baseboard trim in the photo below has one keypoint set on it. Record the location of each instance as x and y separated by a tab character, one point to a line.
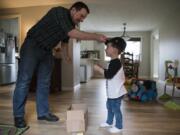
71	88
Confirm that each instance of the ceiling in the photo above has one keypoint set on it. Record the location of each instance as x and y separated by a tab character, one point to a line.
109	15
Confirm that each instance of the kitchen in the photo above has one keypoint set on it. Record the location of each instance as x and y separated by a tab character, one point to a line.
9	40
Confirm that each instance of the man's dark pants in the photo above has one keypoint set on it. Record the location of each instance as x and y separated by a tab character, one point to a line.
33	58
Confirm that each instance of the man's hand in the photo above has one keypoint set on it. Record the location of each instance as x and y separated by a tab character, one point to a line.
101	38
57	52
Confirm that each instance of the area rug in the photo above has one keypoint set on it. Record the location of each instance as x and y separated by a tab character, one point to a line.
165	97
168	102
11	130
172	105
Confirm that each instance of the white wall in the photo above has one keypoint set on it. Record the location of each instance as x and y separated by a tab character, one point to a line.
169	43
70	71
76	62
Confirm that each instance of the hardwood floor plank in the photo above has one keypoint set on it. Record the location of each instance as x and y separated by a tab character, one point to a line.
138	118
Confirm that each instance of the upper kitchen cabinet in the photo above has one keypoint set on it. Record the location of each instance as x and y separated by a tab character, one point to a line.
89	51
87	45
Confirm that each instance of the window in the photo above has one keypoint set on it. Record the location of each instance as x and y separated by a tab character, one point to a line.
133	46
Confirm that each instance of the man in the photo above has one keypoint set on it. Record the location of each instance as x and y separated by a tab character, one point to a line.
58	25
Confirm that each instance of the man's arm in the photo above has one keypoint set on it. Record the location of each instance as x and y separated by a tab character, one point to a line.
81	35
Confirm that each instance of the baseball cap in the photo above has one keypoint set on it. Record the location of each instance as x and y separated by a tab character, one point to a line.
117	42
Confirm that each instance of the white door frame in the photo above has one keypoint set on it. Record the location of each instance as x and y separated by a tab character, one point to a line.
155	54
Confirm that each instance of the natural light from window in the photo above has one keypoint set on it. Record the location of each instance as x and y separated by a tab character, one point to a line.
135	48
132	47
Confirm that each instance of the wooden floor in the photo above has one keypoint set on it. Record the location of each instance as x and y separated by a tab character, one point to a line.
138	119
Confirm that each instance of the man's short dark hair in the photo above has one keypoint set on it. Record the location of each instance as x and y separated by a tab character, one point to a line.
79	5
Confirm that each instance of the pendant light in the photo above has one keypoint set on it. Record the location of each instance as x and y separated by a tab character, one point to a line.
124	35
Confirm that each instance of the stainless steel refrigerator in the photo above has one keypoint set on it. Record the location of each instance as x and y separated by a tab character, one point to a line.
8	72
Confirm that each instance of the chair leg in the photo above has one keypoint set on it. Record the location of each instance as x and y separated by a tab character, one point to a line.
173	91
165	89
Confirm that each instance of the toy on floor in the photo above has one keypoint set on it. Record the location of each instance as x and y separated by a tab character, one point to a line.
143	90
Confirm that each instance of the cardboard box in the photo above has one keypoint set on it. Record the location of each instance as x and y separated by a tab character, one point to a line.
77	118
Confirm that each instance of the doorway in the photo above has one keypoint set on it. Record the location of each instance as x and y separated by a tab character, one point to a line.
155	55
